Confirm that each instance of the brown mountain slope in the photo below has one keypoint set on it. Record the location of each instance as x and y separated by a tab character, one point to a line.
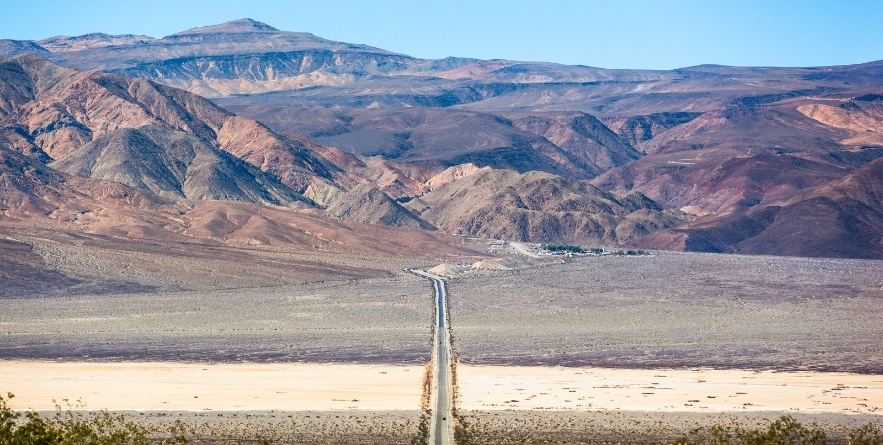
396	179
369	188
539	207
172	144
213	245
738	147
239	224
175	165
590	144
861	116
28	188
70	235
759	150
288	159
52	111
638	129
366	204
439	138
843	219
34	195
720	181
778	126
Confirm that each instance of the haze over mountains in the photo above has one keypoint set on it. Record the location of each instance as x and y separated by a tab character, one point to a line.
709	158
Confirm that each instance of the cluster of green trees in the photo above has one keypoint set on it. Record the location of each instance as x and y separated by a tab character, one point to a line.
568	248
564	248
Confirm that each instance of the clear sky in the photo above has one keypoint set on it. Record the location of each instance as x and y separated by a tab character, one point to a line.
643	34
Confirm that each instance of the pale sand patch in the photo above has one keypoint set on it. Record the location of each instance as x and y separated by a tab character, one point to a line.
699	390
218	387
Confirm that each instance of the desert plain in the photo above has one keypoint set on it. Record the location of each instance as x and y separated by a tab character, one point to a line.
582	350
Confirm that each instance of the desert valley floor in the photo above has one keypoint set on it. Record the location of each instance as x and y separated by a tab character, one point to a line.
578	350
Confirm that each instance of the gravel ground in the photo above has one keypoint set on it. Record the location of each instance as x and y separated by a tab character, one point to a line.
359	321
675	310
292	427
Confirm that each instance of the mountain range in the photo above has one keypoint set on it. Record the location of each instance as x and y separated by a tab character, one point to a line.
128	136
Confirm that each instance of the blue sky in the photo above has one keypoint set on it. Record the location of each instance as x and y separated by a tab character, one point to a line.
622	34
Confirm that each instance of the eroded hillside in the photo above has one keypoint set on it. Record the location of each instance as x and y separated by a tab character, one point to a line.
720	154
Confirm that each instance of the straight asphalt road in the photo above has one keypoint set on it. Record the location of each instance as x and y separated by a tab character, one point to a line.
441	430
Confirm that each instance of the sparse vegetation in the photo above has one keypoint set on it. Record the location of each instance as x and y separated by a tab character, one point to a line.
72	426
422	436
869	434
783	431
491	428
68	428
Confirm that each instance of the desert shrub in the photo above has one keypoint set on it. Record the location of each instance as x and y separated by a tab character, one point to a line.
67	428
463	434
422	436
783	431
787	431
713	435
7	420
179	433
866	435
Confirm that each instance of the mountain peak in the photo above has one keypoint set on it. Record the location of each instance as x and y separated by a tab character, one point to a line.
241	25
